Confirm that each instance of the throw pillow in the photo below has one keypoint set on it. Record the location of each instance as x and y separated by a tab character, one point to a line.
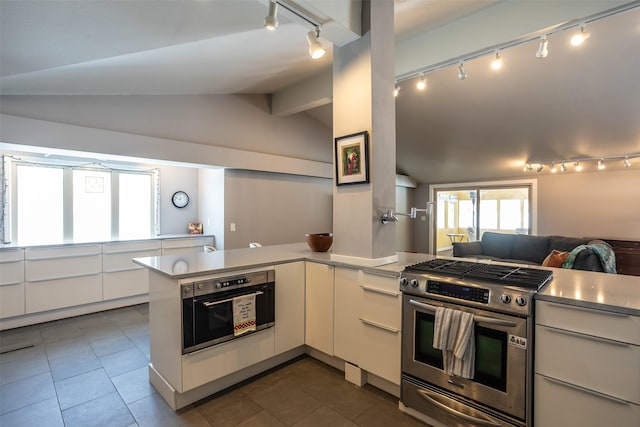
555	259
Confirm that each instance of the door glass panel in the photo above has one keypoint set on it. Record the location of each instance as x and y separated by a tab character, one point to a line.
491	357
424	351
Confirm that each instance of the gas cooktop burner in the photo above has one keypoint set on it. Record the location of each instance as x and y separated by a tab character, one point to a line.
532	278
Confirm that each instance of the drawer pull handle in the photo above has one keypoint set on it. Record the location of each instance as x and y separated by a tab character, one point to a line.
85	255
589	337
131	251
379	326
16	282
73	276
380	291
588	310
120	270
586	390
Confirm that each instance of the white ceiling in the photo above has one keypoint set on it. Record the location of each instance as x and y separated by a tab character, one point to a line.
578	103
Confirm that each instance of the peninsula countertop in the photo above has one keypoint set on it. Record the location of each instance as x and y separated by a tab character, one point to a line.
600	291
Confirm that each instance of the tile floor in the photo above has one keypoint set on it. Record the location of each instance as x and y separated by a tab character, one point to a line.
92	371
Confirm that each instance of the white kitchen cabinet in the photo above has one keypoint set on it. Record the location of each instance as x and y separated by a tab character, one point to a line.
348	299
381	317
586	374
319	307
12	293
185	245
59	277
123	278
289	327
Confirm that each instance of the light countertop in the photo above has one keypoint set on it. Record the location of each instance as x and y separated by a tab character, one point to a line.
601	291
17	245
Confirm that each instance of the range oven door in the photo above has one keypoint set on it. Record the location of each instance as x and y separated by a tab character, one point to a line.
501	379
212	315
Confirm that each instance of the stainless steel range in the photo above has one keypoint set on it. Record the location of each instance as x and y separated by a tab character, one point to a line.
500	297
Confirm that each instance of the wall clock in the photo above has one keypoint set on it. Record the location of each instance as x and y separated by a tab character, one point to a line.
180	199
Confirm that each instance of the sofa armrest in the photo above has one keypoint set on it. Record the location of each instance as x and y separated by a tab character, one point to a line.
467	249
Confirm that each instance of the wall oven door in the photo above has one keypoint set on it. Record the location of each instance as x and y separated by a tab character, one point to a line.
208	319
501	379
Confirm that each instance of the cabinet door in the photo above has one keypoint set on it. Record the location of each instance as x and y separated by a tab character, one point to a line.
381	318
289	328
319	307
348	298
12	283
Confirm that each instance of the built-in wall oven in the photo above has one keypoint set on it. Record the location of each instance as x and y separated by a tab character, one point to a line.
500	298
208	307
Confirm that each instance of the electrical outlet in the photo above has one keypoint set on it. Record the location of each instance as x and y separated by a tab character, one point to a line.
232	226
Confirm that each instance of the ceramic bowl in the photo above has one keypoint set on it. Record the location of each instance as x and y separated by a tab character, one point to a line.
319	242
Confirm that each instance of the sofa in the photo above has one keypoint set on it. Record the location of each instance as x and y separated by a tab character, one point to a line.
533	250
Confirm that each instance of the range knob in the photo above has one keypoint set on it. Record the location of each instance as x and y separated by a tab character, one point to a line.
200	285
187	291
414	283
218	285
521	301
505	298
404	281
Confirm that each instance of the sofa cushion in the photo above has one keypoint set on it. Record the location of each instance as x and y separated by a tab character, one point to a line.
467	249
533	248
497	244
555	259
565	244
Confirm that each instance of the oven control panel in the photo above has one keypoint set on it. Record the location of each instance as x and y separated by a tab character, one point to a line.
467	293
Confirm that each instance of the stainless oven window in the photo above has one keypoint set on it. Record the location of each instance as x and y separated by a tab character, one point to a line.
491	351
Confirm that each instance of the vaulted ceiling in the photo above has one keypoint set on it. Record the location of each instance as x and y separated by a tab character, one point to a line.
573	104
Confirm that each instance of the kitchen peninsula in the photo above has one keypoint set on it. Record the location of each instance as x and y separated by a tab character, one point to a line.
311	285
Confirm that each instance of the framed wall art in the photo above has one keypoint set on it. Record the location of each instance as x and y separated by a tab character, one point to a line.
352	159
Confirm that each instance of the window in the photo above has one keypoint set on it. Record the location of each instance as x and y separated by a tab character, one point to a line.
52	204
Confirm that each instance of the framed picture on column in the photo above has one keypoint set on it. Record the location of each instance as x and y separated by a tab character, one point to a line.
352	158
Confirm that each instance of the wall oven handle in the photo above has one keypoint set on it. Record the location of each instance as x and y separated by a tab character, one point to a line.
211	304
478	319
427	396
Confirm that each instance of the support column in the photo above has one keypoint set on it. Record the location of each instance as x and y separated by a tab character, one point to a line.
363	79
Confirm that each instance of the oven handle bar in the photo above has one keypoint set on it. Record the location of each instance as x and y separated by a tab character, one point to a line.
479	319
211	304
426	396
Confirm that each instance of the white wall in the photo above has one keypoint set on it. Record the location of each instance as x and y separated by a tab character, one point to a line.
172	178
211	203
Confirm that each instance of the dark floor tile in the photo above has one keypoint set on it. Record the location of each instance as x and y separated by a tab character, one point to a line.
73	364
41	414
123	361
263	419
83	388
134	385
108	410
324	417
26	392
136	329
105	330
18	338
193	418
23	364
143	344
286	402
111	344
229	409
59	330
384	415
343	397
125	316
66	347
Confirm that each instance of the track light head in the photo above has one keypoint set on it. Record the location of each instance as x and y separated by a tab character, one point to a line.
577	166
528	167
316	50
601	165
422	83
553	169
580	36
396	90
543	48
626	162
497	62
539	168
271	20
563	168
462	73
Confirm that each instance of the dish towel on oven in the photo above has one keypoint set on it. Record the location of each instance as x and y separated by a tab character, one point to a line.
453	334
244	314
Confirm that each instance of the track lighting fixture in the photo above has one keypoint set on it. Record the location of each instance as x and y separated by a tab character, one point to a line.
462	74
543	48
315	48
271	20
422	83
497	62
396	90
578	164
580	37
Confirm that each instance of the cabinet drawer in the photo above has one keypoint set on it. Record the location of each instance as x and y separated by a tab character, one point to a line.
61	293
380	352
188	242
618	327
381	301
12	272
63	267
560	404
11	255
62	252
609	367
122	261
125	283
11	300
124	247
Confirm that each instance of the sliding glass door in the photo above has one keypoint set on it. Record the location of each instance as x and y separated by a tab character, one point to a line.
464	214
